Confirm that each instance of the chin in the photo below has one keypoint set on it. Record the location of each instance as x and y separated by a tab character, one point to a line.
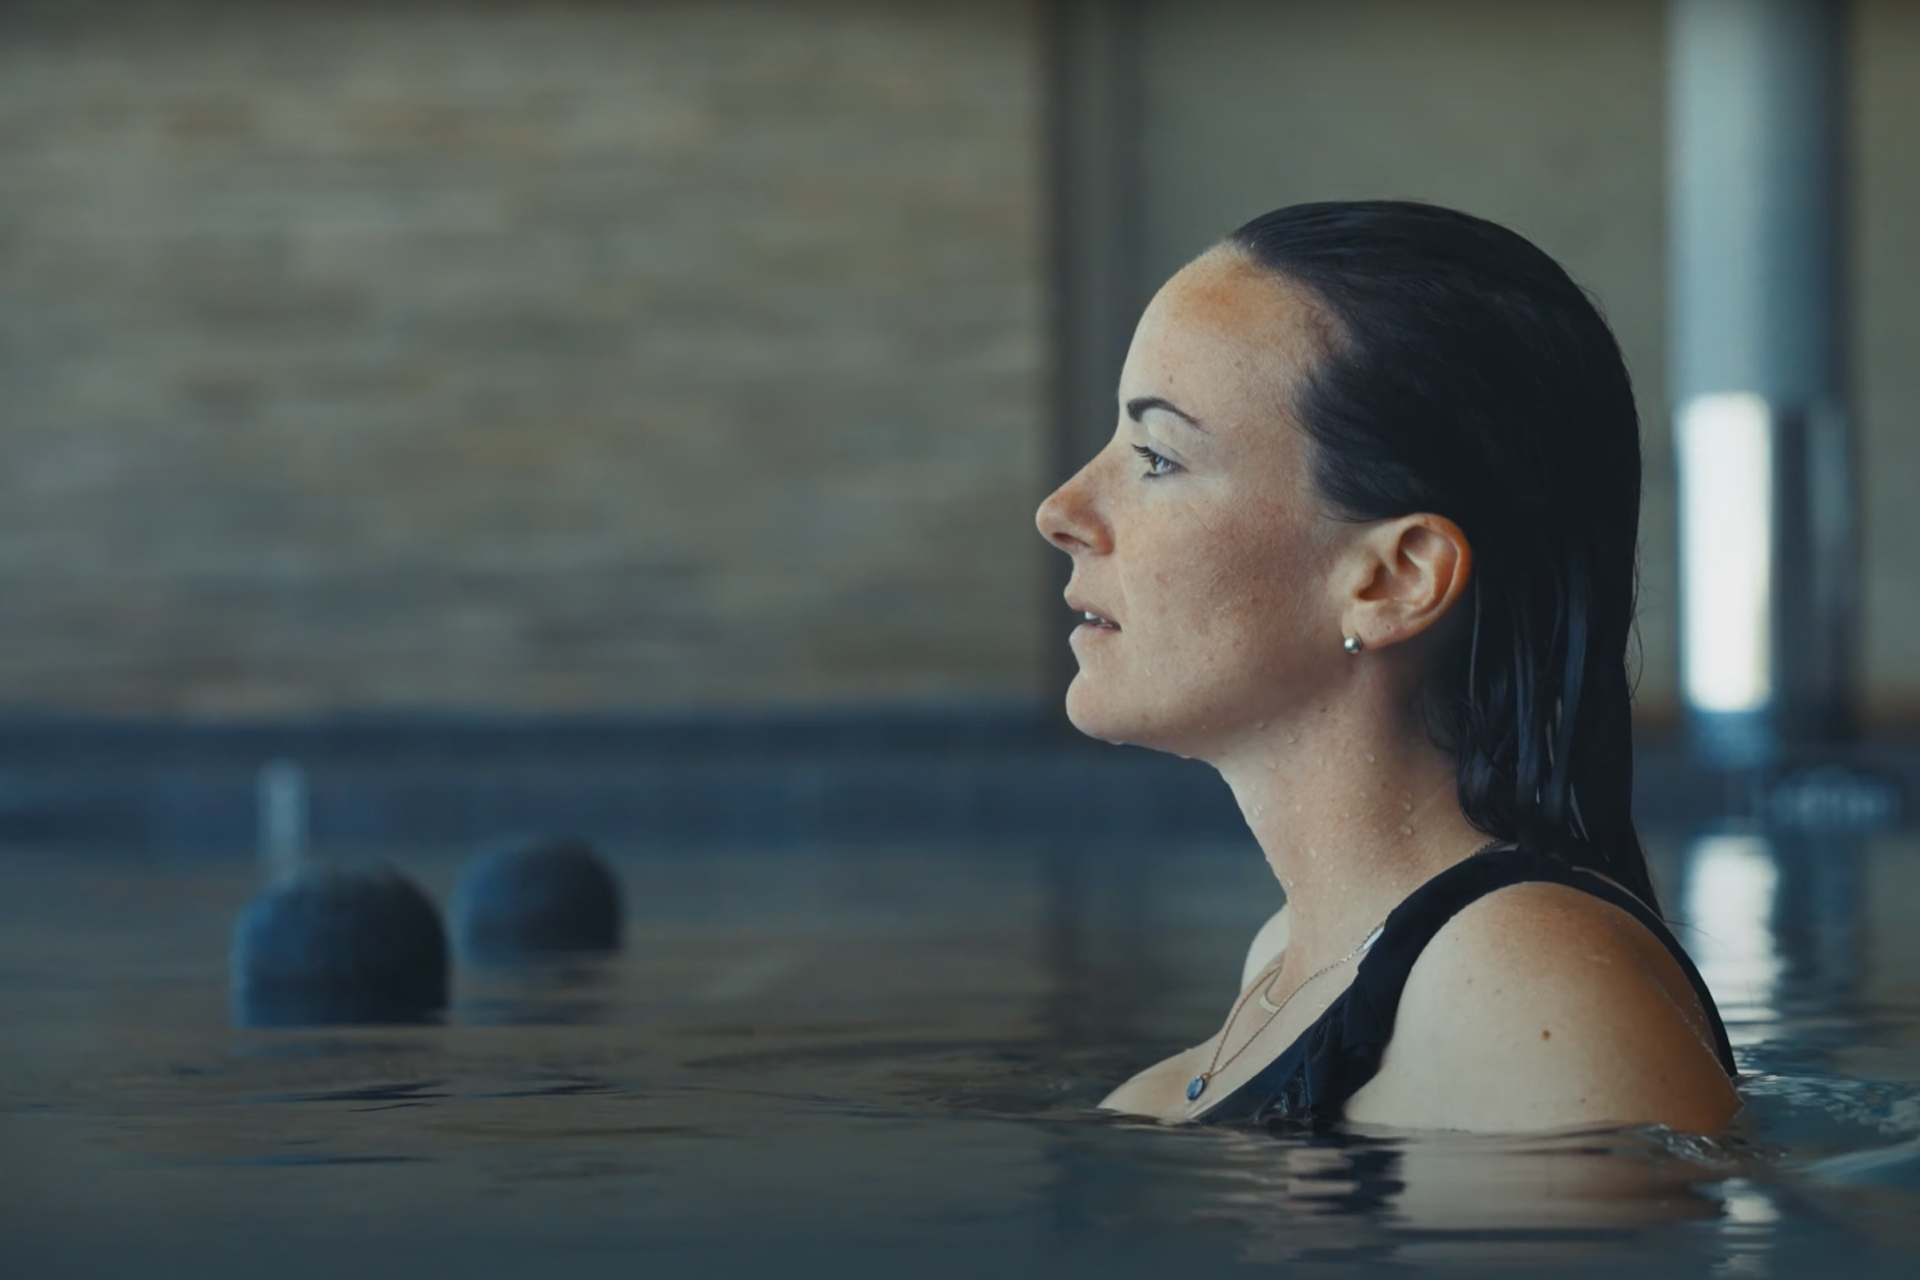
1085	713
1194	722
1123	726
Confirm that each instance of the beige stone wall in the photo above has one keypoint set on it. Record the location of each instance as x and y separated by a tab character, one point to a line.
523	356
518	356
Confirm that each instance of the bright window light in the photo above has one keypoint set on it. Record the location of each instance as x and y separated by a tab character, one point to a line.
1725	447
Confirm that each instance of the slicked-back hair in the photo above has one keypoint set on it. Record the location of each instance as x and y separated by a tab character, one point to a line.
1466	375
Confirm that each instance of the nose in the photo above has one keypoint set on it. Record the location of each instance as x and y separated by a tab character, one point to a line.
1069	519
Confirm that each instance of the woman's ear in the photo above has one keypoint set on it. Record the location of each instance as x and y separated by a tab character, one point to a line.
1407	574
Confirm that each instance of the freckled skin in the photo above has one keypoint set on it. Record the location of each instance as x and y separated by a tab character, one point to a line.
1225	591
1233	587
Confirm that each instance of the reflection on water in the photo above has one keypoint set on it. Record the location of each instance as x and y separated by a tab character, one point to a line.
568	990
886	1062
1773	919
1732	885
1820	1007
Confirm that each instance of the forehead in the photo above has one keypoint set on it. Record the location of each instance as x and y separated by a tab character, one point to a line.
1225	340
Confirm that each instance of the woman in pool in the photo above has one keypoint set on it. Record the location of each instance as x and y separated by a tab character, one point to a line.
1364	540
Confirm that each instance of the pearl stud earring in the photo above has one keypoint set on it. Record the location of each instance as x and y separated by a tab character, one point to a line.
1352	644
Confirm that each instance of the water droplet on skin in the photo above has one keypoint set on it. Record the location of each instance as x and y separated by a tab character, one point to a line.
1405	830
1368	755
1407	805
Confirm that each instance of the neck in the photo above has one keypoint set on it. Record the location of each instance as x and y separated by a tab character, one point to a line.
1354	812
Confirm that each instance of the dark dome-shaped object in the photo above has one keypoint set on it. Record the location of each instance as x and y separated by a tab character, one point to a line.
333	945
538	896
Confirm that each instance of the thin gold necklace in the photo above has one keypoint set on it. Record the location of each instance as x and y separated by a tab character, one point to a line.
1198	1085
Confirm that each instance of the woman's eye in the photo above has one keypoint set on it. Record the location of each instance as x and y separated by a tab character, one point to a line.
1157	464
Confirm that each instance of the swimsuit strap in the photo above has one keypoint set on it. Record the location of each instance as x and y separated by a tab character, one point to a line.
1335	1057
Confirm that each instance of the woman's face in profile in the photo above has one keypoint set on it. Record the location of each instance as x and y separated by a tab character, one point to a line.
1195	534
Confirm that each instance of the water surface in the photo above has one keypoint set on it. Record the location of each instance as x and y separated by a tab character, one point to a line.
867	1061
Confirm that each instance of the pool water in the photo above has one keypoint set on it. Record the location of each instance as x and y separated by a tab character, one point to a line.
884	1061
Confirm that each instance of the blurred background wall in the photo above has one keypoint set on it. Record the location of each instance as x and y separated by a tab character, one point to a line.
523	357
501	356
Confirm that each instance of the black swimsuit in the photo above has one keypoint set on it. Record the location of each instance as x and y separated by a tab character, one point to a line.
1313	1078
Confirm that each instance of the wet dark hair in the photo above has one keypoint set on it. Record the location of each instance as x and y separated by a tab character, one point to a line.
1466	374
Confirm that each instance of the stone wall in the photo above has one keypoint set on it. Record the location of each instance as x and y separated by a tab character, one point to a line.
500	355
518	356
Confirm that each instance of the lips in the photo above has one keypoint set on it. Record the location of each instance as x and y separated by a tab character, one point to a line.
1091	617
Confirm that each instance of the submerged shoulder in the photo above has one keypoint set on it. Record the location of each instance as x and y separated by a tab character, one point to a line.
1542	1007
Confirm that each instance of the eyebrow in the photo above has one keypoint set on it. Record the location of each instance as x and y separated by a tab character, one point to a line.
1139	406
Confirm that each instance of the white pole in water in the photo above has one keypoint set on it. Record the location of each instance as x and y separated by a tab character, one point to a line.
281	802
1760	430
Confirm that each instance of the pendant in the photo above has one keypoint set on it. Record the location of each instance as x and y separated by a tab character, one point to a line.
1196	1086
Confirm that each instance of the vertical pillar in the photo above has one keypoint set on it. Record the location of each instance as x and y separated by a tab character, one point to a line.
1760	429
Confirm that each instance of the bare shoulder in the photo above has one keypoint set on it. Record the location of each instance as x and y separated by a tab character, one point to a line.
1541	1007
